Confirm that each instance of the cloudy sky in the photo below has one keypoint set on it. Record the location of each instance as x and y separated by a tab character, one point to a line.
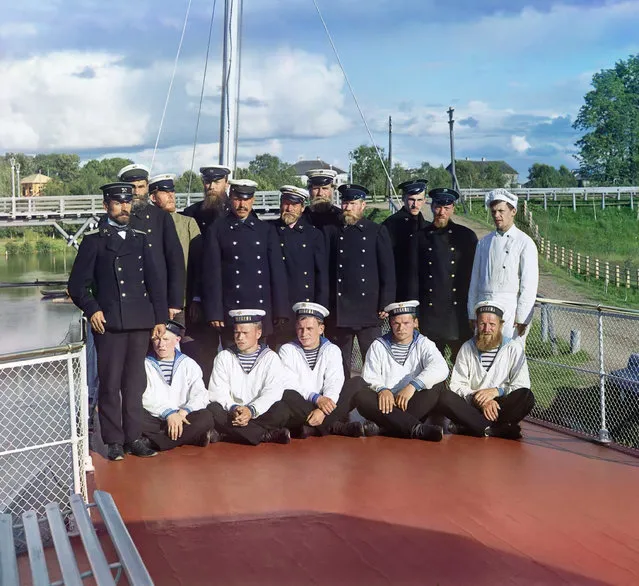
91	76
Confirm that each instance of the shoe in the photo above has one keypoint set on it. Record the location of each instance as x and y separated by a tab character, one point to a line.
141	448
352	429
304	432
429	433
210	437
458	429
371	429
505	431
115	452
277	436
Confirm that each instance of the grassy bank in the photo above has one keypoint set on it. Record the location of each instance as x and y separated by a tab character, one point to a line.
32	244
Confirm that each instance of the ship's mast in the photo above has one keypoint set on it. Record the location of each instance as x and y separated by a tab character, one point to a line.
230	83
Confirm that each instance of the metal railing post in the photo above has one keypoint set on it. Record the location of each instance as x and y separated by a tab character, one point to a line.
604	434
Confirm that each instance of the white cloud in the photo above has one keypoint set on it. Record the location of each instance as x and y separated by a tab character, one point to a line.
18	30
519	143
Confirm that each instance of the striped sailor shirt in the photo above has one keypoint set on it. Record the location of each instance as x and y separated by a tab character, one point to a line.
400	352
166	366
311	357
247	361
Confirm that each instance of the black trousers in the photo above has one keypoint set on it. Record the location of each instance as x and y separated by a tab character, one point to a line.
122	383
301	408
275	418
156	429
343	338
454	345
398	423
513	407
203	348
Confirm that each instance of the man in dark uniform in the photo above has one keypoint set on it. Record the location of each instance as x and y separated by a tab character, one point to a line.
442	264
215	202
242	265
304	254
162	238
401	226
361	275
321	186
115	283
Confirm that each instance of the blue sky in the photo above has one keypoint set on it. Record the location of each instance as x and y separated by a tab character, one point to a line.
91	76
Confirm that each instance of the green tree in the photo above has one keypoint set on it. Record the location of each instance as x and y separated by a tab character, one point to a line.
474	175
542	175
567	177
55	187
107	168
368	169
65	167
188	182
270	173
609	149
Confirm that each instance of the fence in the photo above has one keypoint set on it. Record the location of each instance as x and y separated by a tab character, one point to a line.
44	437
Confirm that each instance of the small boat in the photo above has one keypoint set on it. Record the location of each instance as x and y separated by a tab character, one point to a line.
48	294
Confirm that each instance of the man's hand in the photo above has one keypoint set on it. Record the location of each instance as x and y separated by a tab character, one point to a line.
325	405
195	312
482	396
158	331
472	324
97	322
173	312
217	324
315	417
241	416
491	410
382	315
521	329
385	401
405	395
175	423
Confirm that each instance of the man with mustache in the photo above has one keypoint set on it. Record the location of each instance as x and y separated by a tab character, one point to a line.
402	226
361	275
242	265
304	253
321	186
162	238
115	282
440	268
490	386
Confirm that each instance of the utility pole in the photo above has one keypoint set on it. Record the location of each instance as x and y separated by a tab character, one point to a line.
451	123
389	187
12	162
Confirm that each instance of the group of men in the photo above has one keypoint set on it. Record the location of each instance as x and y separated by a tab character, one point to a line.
305	285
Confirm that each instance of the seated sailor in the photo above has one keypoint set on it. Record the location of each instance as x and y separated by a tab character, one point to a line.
175	398
490	385
246	386
403	376
316	393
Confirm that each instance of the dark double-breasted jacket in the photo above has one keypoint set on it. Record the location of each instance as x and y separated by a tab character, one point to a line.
163	242
442	264
401	226
321	220
204	217
361	273
304	254
118	277
242	268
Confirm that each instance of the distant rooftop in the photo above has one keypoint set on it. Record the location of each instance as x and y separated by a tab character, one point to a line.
304	166
37	178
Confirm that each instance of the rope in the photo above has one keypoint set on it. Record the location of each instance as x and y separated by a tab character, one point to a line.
350	87
168	95
199	111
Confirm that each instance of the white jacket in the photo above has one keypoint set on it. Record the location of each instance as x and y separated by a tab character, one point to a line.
424	367
186	391
506	270
327	378
509	370
260	388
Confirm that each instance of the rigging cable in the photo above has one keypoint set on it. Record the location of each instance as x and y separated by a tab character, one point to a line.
350	87
199	111
168	95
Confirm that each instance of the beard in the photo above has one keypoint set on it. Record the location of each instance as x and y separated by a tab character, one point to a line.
321	205
214	201
289	218
350	219
486	342
139	203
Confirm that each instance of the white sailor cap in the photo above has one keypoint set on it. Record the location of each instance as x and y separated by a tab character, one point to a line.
246	316
489	306
214	172
501	195
133	173
402	307
165	182
321	177
295	194
313	309
245	188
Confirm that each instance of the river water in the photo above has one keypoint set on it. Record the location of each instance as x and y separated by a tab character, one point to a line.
27	321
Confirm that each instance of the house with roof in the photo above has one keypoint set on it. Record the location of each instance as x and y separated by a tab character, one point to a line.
511	176
33	185
304	165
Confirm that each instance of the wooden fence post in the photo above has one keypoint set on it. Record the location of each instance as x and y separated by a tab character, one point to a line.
570	261
597	269
563	257
554	253
603	201
574	201
607	280
578	263
587	267
548	250
617	279
627	278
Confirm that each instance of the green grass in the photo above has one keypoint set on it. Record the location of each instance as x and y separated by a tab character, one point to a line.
32	244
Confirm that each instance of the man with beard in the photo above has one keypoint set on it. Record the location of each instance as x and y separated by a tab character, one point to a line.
115	283
506	267
401	226
242	265
490	385
321	186
440	268
215	202
361	275
304	254
162	238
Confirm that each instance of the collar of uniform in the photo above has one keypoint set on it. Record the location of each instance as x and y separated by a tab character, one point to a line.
510	232
141	212
249	222
360	225
449	227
